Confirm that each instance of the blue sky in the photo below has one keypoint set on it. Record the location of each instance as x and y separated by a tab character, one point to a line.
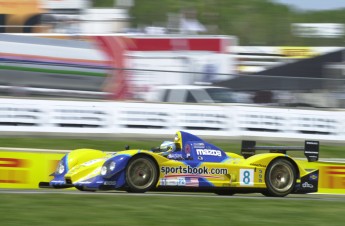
314	4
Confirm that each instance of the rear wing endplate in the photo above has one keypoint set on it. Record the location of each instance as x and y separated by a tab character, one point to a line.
311	149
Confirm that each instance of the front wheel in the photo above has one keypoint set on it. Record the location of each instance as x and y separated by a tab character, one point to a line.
141	174
280	178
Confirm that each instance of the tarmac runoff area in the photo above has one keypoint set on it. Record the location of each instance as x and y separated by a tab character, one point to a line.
313	197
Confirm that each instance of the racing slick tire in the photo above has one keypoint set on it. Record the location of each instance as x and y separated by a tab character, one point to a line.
280	178
141	174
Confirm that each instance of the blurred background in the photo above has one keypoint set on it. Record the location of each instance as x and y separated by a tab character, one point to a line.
231	66
105	74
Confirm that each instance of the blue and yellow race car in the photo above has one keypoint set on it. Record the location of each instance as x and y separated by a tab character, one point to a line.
188	163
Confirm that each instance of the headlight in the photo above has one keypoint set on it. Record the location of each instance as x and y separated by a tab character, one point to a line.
104	170
112	166
60	168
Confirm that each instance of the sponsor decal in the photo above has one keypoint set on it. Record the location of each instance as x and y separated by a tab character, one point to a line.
311	152
198	145
260	176
168	182
312	142
175	156
258	165
246	177
87	182
180	181
208	152
307	185
58	181
187	150
249	153
192	182
192	170
313	177
109	182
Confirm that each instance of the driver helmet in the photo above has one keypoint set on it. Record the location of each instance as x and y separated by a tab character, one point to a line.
168	146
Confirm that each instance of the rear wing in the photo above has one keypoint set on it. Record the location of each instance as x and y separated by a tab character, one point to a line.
310	148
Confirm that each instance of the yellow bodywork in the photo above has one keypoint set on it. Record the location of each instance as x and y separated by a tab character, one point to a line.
86	163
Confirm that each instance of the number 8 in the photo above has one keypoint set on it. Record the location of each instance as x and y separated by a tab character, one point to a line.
246	177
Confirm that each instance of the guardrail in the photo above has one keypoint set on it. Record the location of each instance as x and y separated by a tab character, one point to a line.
128	118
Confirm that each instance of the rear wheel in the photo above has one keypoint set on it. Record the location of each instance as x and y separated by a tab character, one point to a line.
141	174
280	178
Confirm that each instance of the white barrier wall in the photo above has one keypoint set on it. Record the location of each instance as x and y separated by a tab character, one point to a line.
127	118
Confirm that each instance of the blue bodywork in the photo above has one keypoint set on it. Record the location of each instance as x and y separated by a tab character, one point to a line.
194	148
112	180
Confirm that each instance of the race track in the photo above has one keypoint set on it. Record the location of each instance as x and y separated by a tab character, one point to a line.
314	197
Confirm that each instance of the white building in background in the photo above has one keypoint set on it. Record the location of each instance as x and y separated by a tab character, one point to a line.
78	16
189	24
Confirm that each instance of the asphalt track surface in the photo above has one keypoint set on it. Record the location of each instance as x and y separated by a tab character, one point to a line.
309	197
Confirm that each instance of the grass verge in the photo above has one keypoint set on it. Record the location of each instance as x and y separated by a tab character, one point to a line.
335	151
98	209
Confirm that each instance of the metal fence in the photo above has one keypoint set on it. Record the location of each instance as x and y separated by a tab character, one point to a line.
76	118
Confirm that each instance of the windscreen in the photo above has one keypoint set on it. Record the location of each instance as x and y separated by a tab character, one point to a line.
221	95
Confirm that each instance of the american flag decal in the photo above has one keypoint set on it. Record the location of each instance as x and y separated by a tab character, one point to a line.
192	182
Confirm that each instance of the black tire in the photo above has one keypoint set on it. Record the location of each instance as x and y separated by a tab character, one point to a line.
280	178
141	174
266	193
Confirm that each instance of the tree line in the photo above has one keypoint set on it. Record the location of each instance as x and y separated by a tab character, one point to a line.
254	22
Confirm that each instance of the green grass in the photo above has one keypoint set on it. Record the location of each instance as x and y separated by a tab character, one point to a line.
71	143
326	151
114	209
